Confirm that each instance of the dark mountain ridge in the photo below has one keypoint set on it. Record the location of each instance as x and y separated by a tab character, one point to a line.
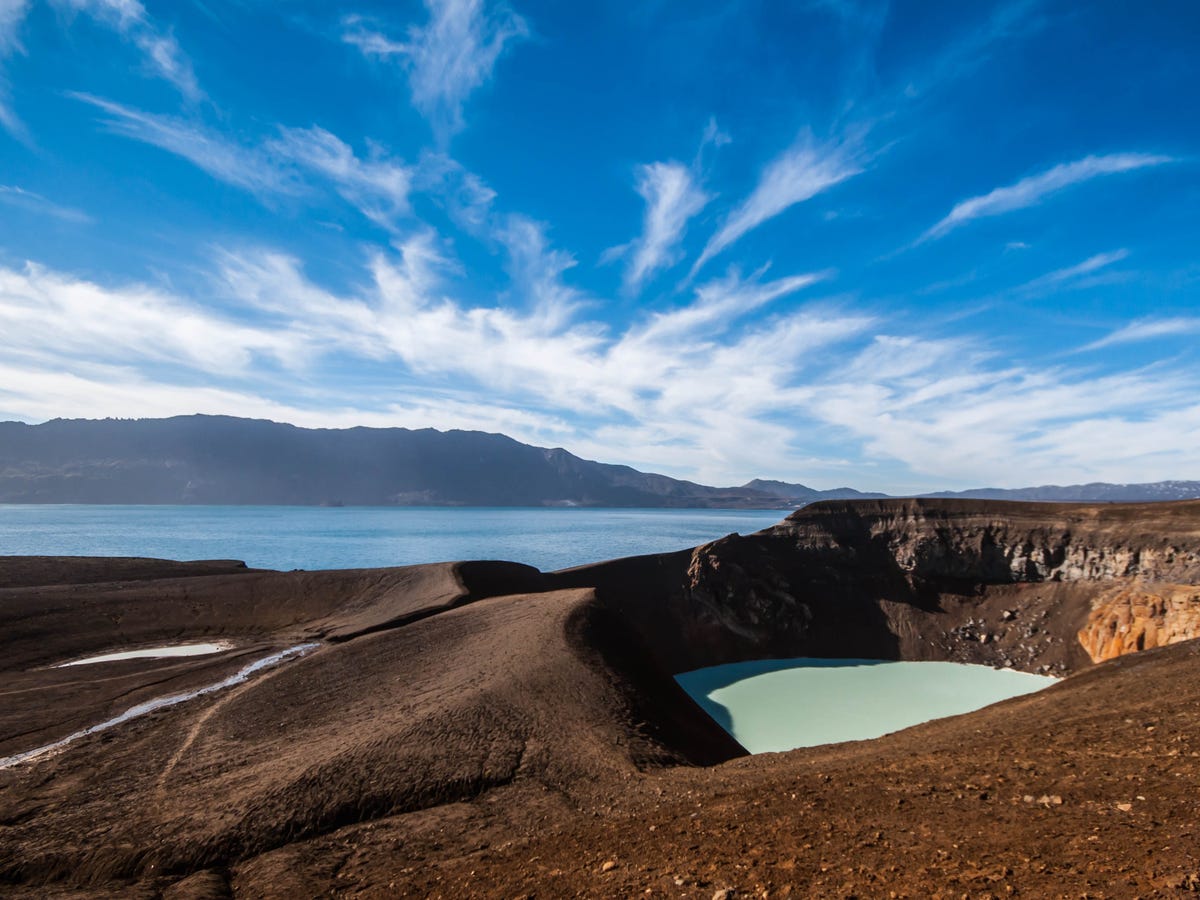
227	460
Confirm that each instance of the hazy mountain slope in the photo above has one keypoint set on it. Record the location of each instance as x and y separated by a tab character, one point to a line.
803	493
1094	492
222	459
219	459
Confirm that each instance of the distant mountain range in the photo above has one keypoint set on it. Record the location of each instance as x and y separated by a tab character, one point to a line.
226	460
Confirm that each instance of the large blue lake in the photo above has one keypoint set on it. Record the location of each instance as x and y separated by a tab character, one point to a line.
289	537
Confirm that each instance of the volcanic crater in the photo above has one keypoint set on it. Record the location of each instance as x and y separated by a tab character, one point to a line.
486	729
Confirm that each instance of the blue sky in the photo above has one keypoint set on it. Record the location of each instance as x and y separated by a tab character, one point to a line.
900	246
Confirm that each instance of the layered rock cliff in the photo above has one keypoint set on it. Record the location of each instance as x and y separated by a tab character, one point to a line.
1001	542
1142	617
1039	587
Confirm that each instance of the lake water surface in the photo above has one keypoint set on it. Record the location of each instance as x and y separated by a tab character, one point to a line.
292	537
782	704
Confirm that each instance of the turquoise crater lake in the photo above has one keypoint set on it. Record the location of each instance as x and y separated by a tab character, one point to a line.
783	704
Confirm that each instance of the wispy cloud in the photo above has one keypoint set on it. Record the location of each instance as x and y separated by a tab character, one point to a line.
804	170
161	50
675	373
672	198
665	371
12	15
1072	274
721	302
730	383
953	414
248	168
466	197
448	58
9	120
1030	191
1148	330
378	186
536	269
47	315
976	46
28	200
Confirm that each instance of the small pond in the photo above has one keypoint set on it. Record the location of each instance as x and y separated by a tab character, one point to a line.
782	704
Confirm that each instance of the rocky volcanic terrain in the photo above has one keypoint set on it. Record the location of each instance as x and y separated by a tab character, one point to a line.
485	729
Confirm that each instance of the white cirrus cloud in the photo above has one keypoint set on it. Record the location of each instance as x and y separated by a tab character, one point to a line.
738	380
800	173
1030	191
1148	330
660	374
536	269
161	50
672	198
33	202
465	196
9	120
279	333
448	58
248	168
377	185
955	416
12	14
1074	276
48	315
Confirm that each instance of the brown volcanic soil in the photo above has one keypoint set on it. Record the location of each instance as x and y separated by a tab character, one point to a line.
482	729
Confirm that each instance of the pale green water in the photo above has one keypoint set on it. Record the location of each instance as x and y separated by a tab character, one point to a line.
782	704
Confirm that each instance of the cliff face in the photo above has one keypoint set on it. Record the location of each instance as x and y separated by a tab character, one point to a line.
1130	619
1039	587
999	542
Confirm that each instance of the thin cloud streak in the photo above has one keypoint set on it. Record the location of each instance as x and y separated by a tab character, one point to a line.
952	415
9	120
31	202
1148	330
1071	274
662	369
47	315
1030	191
161	50
672	199
800	173
976	47
245	167
12	15
448	58
714	389
378	186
